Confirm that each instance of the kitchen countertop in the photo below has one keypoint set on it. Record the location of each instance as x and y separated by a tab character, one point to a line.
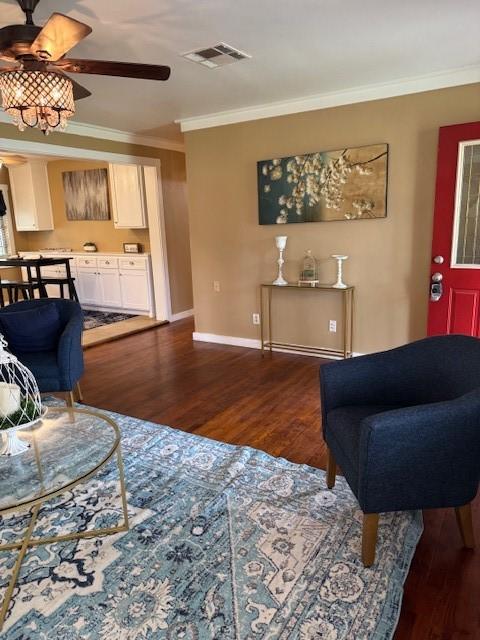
50	252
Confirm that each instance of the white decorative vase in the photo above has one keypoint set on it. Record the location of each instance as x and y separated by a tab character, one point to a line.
280	242
339	284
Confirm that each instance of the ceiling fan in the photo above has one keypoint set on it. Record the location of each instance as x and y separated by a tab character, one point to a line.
35	89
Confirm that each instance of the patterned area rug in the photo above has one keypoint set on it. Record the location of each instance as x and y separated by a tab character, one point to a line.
93	319
225	543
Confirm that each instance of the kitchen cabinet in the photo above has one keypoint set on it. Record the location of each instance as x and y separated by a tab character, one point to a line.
127	190
110	292
88	286
134	290
32	208
108	282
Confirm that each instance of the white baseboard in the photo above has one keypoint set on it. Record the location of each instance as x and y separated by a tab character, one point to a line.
251	343
181	315
233	341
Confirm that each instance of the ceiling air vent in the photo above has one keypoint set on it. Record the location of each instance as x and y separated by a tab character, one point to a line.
217	56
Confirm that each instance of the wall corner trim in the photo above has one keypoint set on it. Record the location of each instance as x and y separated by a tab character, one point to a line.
252	343
115	135
364	93
181	315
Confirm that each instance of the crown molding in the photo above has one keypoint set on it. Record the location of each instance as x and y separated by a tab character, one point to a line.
365	93
104	133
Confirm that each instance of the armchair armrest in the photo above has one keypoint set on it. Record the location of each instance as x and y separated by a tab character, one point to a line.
421	456
69	351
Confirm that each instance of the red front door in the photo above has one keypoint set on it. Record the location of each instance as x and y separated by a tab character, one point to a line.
455	267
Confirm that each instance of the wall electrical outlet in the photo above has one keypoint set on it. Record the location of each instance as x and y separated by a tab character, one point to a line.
216	286
256	318
332	326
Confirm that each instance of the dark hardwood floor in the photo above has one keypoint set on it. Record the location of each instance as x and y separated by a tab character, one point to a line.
232	394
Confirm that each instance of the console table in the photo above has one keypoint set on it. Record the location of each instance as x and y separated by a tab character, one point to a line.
267	341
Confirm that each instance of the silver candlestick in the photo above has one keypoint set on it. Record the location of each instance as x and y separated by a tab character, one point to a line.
280	242
339	284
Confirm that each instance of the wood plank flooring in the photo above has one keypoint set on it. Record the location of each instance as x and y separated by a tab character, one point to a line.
232	394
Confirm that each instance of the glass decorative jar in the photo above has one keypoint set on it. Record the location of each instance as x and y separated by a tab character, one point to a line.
309	272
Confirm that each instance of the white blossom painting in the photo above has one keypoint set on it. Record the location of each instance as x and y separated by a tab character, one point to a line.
86	194
348	184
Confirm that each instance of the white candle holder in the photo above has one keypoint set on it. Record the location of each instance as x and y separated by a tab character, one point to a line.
280	242
339	284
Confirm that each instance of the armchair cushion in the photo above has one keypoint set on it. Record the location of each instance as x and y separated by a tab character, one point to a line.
33	330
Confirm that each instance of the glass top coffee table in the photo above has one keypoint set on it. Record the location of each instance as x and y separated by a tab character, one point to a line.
67	447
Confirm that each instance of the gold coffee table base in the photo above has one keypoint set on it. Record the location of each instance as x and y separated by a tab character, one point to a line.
28	541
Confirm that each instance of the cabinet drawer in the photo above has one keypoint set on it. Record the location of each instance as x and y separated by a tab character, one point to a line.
83	261
107	263
133	263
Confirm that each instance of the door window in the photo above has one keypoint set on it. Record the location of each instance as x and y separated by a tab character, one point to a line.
466	231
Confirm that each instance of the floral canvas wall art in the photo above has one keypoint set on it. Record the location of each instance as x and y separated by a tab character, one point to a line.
86	194
347	184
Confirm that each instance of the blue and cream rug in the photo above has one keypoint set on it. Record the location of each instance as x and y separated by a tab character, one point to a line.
225	543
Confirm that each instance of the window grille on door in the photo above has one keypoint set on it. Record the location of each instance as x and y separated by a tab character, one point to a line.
466	238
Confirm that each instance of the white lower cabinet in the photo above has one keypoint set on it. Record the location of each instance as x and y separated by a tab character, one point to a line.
107	281
88	285
134	289
110	291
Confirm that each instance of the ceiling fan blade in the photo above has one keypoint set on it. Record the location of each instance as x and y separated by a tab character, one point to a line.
59	34
109	68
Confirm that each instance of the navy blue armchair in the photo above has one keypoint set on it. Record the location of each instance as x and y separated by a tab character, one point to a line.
46	335
404	427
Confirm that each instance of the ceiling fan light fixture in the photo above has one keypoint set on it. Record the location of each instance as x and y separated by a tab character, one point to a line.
37	99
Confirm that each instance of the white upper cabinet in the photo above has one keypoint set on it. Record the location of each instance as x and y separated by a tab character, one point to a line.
128	196
32	208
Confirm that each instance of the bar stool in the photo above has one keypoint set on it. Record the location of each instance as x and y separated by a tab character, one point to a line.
62	282
14	288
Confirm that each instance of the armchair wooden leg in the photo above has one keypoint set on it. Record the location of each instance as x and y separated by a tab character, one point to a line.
69	398
78	391
465	525
331	470
369	538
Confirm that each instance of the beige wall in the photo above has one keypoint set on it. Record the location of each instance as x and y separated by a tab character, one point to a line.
73	234
177	230
389	258
175	205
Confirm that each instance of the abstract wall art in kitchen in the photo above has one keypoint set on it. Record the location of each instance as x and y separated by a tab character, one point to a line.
86	194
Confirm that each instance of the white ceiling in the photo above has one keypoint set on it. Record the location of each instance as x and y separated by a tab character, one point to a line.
298	48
